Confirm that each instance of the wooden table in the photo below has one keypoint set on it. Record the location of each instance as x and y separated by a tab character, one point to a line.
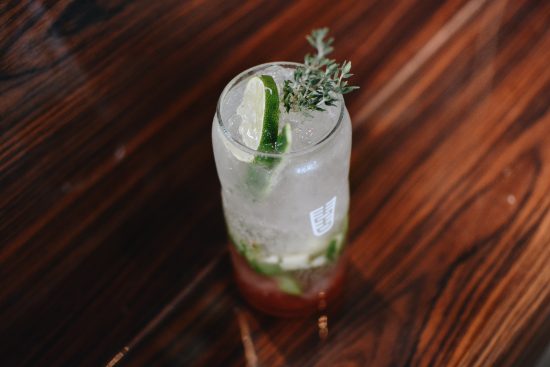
111	230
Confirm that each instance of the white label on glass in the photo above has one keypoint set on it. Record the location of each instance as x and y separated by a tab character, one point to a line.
322	218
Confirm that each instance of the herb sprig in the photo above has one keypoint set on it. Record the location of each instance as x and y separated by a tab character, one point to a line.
320	80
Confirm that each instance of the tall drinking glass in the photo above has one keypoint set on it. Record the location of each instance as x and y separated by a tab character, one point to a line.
286	213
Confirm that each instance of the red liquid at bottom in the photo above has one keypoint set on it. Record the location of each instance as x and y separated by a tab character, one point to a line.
263	292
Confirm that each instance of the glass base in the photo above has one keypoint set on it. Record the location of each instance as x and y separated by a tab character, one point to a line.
264	293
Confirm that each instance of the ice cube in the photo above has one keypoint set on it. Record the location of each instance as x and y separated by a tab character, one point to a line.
279	74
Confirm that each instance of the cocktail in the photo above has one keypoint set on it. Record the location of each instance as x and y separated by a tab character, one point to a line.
282	157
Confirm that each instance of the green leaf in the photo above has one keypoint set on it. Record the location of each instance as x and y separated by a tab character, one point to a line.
319	78
336	245
332	250
289	285
266	268
250	254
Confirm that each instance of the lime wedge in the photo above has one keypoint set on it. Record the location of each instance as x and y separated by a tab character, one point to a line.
259	112
264	171
282	145
259	130
284	140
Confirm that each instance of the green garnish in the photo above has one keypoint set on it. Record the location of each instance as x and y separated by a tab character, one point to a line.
320	80
288	285
259	175
332	250
265	268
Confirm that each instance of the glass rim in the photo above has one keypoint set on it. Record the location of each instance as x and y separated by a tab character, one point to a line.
227	135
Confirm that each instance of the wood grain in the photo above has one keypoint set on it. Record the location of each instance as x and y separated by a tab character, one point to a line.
111	231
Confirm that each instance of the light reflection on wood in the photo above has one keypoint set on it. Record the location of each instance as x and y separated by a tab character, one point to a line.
322	322
248	345
118	357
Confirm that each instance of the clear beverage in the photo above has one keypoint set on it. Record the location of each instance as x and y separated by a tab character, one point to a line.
286	213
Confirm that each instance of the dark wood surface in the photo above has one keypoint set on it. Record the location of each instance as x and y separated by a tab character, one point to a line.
111	231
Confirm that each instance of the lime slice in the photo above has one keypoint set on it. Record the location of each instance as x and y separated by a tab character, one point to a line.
259	130
282	145
264	172
284	140
259	113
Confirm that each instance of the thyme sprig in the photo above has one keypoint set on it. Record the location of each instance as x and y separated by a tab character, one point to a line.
320	80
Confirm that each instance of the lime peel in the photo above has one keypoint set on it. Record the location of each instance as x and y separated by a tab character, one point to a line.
259	113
